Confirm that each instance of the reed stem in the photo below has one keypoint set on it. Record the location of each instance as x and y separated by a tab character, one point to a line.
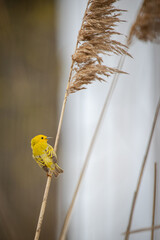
43	206
142	230
142	171
154	200
45	196
106	104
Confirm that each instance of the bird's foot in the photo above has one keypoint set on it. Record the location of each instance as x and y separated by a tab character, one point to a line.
49	175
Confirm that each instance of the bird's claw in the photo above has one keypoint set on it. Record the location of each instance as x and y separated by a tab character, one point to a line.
49	175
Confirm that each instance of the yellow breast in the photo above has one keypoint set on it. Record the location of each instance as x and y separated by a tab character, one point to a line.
39	148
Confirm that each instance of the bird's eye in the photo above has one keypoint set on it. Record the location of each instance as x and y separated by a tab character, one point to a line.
41	137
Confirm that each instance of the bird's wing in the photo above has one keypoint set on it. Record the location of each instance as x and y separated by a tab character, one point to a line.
41	163
51	153
39	160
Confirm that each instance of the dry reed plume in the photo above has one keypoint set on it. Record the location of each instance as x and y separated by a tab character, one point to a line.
95	39
147	24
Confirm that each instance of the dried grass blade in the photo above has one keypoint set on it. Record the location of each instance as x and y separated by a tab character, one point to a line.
142	230
154	200
142	170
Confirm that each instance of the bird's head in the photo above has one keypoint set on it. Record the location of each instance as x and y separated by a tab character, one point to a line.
37	139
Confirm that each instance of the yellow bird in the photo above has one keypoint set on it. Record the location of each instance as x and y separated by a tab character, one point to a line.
45	155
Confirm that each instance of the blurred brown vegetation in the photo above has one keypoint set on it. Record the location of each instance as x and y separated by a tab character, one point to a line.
28	93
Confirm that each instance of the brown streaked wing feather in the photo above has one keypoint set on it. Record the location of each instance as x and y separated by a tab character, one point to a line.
41	163
51	154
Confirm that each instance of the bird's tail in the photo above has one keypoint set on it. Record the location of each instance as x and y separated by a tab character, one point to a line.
57	170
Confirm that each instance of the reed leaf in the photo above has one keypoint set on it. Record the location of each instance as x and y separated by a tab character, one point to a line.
147	24
95	38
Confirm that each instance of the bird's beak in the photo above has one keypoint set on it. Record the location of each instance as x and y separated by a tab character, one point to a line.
49	137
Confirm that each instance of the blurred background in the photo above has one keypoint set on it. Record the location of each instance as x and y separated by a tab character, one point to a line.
37	39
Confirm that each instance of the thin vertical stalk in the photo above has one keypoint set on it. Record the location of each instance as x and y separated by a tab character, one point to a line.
48	183
43	207
45	196
106	104
142	171
154	200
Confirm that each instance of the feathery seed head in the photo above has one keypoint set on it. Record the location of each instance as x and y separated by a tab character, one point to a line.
96	38
147	24
37	139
